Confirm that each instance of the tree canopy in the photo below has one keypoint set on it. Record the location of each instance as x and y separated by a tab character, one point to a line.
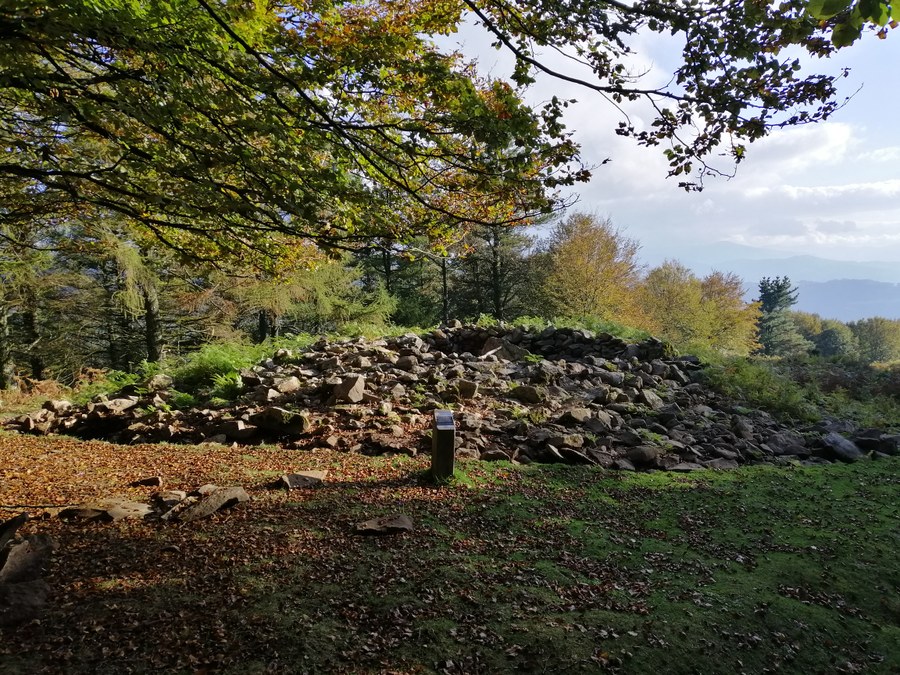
224	128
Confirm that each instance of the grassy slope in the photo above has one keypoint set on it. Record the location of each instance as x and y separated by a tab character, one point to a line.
539	569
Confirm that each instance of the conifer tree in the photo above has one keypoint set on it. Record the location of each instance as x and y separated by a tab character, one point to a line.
778	334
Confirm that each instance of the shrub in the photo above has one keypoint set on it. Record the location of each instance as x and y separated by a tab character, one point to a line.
201	368
756	382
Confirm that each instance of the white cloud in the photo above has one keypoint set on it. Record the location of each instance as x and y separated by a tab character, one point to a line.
888	154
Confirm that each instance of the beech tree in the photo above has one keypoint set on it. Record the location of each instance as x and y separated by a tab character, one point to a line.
213	125
592	269
694	312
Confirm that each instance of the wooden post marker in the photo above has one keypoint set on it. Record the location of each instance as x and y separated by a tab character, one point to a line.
443	444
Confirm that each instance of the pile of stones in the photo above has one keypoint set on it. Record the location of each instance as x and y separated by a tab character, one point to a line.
551	395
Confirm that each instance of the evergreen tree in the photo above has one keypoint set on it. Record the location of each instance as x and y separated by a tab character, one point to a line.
778	334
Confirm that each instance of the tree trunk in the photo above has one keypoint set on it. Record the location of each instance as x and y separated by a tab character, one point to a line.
445	293
152	324
6	364
263	326
29	326
387	267
496	279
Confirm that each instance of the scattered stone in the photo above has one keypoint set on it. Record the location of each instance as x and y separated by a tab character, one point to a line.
288	385
841	448
221	498
301	479
60	407
237	430
152	481
107	510
620	396
385	525
642	455
22	602
351	389
281	421
466	389
527	394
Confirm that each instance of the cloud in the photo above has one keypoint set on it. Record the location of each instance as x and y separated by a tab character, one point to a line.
888	154
835	226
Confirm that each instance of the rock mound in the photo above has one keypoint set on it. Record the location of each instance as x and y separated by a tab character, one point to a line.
551	395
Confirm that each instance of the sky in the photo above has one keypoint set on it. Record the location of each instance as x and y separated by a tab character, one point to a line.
831	189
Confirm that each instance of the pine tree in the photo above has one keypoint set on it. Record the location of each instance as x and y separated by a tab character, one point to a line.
778	334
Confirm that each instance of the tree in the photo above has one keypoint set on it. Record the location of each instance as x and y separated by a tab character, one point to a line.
778	334
693	312
836	339
879	338
592	270
493	277
215	125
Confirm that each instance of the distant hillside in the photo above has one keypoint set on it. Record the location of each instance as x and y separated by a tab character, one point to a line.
834	289
849	299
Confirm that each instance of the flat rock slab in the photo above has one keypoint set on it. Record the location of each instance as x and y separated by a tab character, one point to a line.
25	561
301	479
218	499
385	525
9	527
107	510
22	602
152	481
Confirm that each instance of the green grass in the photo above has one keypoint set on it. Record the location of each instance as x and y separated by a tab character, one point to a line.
519	569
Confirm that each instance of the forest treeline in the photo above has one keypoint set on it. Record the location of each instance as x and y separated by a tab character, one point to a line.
71	303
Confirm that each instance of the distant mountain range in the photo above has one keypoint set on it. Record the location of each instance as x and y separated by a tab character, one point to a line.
834	289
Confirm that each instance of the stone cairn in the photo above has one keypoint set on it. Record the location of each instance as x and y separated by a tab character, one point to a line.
523	395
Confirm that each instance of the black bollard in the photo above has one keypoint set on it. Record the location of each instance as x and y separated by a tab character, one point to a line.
443	444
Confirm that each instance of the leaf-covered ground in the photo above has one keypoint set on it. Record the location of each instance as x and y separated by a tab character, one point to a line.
539	569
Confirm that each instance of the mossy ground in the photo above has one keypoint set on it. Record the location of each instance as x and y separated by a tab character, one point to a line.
527	569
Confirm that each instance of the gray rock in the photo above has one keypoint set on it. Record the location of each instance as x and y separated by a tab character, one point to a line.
466	389
301	479
385	525
576	416
721	463
60	407
527	394
503	349
288	385
686	467
25	560
169	499
23	602
407	363
159	382
107	510
281	421
642	455
351	389
9	527
219	498
494	455
650	399
838	447
237	430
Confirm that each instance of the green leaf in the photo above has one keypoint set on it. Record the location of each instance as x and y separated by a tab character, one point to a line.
825	9
844	35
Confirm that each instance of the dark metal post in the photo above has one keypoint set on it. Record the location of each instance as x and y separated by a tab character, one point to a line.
443	443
